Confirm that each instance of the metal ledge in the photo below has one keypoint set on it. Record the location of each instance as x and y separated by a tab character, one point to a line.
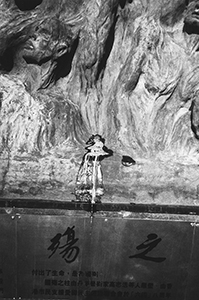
115	207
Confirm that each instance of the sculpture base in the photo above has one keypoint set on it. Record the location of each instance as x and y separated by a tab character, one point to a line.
147	182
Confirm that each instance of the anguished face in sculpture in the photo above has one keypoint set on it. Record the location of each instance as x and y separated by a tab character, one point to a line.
43	48
192	17
46	43
43	37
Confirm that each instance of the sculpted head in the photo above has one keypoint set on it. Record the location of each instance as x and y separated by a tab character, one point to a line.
41	36
192	17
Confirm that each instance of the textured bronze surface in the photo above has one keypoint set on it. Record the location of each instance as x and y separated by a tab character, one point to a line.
125	70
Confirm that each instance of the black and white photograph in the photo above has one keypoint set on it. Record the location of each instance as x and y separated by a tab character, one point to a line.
99	149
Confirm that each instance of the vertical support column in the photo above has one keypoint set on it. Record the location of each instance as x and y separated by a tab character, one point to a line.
8	254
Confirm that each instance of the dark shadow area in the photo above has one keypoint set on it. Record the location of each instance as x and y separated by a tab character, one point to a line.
194	128
109	153
1	99
40	203
32	60
191	20
6	60
64	62
24	5
107	48
174	16
128	161
122	3
191	28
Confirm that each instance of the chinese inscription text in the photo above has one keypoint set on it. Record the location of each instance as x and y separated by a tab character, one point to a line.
147	246
65	244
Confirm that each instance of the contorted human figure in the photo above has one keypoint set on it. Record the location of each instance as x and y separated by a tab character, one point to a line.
89	183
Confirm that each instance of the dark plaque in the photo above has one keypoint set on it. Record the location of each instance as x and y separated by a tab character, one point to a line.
115	255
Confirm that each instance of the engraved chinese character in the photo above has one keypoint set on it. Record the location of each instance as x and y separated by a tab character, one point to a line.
68	251
151	242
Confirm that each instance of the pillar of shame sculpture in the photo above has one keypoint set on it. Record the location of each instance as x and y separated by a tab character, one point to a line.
127	72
